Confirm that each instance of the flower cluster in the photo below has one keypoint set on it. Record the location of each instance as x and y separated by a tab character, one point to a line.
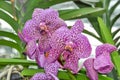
54	46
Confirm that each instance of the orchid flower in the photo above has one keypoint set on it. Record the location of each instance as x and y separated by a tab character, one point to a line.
102	62
70	44
38	30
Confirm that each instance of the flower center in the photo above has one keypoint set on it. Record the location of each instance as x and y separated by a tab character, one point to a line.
43	28
46	54
69	46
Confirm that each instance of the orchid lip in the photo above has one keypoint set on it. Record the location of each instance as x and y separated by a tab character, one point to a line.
68	48
46	54
43	28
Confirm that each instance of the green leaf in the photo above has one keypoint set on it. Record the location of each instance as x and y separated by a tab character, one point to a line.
104	78
92	34
81	4
95	25
118	44
8	7
114	20
115	32
81	13
10	35
106	3
23	62
11	44
107	37
9	20
81	77
116	39
112	9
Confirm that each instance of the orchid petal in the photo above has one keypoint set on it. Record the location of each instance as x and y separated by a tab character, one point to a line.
72	63
57	40
36	13
31	48
53	55
40	58
83	47
55	78
52	68
39	76
77	27
105	48
29	31
103	63
91	72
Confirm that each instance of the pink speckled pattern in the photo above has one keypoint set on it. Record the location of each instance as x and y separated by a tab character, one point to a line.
51	71
77	27
91	72
105	48
81	47
103	63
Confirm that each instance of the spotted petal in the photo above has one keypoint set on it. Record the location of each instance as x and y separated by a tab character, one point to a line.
52	68
43	76
103	63
36	14
72	63
40	58
77	27
31	49
53	55
91	72
48	15
83	47
105	48
39	76
29	31
59	37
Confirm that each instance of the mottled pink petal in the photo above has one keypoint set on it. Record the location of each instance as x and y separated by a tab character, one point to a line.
40	58
39	76
83	47
59	37
29	31
52	68
44	44
31	48
77	27
105	48
36	13
72	63
91	72
55	24
53	76
48	15
103	63
44	76
53	55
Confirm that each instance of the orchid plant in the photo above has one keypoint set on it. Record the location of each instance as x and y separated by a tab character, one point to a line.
54	46
40	33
